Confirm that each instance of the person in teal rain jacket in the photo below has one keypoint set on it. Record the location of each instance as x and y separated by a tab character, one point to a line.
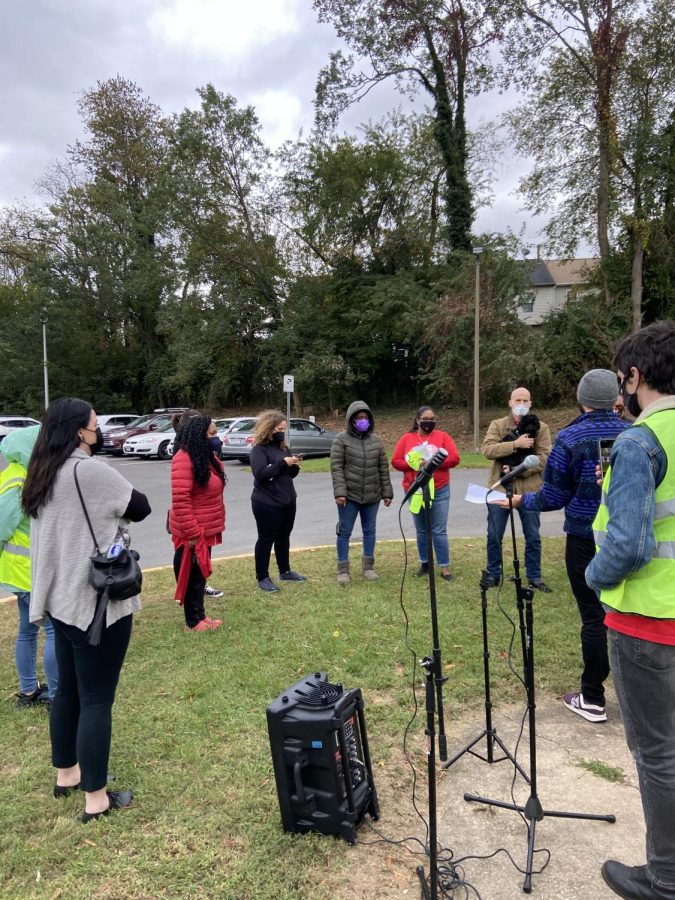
15	571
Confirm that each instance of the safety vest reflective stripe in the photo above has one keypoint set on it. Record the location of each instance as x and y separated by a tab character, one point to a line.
664	509
12	482
664	550
18	549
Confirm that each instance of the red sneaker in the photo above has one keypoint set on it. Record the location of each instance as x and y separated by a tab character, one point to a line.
205	625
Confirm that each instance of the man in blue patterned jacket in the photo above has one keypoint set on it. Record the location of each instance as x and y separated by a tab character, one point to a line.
570	481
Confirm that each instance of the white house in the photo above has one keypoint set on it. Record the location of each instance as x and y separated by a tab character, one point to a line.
553	282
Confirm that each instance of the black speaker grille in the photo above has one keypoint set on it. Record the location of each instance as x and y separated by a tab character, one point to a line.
320	694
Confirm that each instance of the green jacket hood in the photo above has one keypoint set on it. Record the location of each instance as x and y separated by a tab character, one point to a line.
356	407
17	446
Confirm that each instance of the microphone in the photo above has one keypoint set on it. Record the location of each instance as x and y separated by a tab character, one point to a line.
426	473
528	463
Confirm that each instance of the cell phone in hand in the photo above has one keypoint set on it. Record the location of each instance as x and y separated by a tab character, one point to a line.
604	452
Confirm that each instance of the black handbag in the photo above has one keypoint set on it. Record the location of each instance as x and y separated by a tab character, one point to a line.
113	579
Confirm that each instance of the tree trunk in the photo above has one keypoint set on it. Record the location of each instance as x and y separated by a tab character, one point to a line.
636	281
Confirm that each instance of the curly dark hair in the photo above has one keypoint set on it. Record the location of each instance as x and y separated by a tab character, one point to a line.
56	441
651	350
194	442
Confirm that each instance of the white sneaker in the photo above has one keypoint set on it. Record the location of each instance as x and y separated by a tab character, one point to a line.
212	592
589	711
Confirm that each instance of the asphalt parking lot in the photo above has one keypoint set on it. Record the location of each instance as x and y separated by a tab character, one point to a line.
316	518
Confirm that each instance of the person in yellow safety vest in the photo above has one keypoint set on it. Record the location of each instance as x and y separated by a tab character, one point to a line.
15	571
634	574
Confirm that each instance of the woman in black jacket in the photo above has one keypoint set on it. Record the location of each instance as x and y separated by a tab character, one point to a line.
273	498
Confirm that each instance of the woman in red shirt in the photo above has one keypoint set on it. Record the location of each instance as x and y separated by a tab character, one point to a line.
197	517
425	438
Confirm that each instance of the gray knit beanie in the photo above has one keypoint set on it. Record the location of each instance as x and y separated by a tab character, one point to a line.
598	389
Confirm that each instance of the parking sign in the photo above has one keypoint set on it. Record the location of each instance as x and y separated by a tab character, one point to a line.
289	384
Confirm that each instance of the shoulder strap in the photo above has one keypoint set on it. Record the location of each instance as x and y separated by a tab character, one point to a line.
84	508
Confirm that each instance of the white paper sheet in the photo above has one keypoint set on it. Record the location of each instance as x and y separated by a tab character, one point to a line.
476	493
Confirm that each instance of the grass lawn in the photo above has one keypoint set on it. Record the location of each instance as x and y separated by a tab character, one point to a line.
190	734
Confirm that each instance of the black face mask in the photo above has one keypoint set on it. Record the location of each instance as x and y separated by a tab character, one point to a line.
215	444
428	425
279	437
98	445
631	401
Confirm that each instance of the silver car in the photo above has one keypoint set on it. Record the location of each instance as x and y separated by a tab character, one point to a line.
307	439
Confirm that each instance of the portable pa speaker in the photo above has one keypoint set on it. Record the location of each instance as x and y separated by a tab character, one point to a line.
321	760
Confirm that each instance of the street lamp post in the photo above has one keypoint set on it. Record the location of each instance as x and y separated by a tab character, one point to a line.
476	354
43	319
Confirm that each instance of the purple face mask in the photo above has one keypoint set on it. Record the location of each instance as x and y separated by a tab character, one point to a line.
362	425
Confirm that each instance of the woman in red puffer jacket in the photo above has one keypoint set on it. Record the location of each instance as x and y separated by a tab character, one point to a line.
196	518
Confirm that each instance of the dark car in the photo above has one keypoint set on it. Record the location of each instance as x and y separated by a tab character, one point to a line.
307	439
113	441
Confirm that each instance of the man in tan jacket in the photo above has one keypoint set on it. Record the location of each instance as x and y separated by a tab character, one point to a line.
495	448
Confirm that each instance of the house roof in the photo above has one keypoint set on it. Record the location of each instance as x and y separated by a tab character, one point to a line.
559	271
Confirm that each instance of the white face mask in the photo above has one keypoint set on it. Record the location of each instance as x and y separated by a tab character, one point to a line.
520	409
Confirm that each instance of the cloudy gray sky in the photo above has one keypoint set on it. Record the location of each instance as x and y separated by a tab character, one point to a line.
264	52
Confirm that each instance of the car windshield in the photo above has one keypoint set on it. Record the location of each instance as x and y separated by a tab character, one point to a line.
166	427
141	420
246	425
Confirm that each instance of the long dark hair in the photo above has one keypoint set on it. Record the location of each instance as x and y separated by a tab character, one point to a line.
420	410
57	439
194	442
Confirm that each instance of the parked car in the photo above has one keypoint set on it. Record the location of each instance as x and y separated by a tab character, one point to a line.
113	441
150	443
224	426
307	439
108	421
10	423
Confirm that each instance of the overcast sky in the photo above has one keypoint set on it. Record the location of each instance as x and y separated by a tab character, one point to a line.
263	52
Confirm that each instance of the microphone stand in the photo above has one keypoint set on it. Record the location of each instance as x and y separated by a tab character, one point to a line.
434	709
533	810
489	732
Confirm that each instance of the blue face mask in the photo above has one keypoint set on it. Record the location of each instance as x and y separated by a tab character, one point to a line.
215	444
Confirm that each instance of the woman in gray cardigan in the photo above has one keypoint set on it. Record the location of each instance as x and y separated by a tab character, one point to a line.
360	470
61	545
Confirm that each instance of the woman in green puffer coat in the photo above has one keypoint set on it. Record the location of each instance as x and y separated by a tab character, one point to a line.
360	470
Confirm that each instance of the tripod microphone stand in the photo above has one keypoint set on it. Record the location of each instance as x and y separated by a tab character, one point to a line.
434	709
533	810
489	732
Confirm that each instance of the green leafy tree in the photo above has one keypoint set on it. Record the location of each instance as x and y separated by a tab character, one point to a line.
441	46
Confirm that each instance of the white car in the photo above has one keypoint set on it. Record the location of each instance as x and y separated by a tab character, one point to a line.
109	421
11	423
153	443
223	426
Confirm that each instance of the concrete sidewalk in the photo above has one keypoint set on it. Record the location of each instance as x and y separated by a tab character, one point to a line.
578	848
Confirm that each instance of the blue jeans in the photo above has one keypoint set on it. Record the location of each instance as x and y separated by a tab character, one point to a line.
440	506
347	517
644	679
25	652
497	521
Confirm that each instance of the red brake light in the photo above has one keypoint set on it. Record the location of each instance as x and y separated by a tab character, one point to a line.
249	440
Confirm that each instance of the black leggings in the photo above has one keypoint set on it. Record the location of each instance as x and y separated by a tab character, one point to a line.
193	601
80	724
275	524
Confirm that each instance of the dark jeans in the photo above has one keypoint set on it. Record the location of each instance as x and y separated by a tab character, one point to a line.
644	680
193	602
80	724
497	521
579	551
275	524
347	519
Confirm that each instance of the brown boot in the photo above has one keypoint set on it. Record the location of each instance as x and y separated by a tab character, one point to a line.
343	572
369	572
